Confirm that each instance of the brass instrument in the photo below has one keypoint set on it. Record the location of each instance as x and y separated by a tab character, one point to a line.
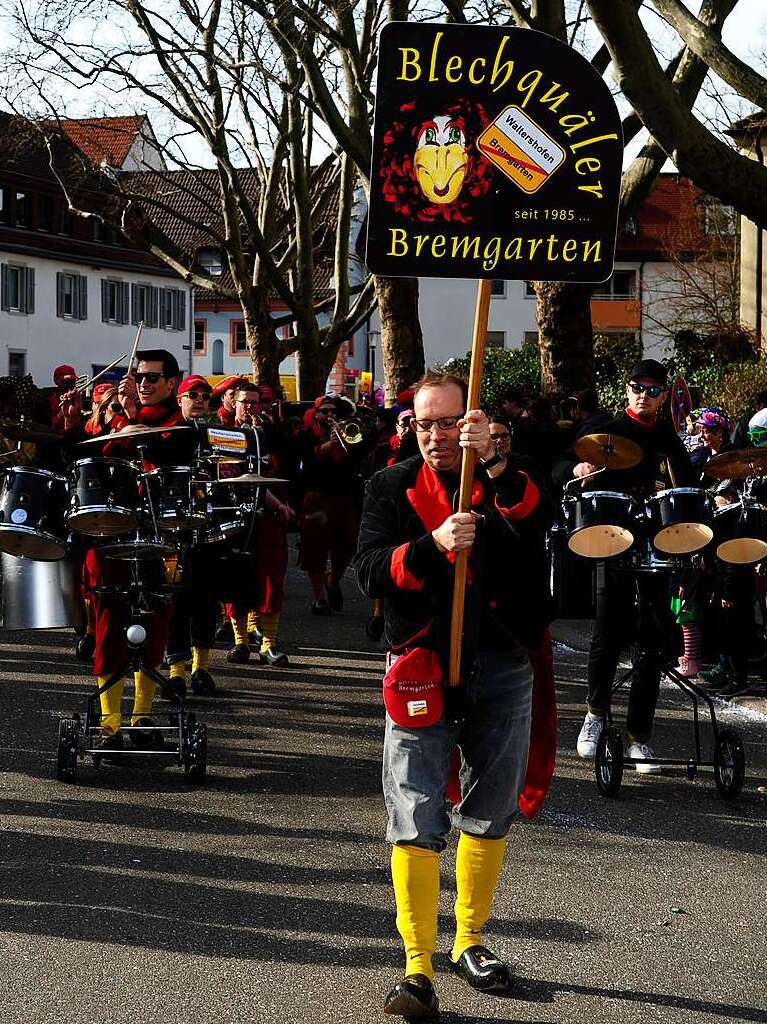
348	432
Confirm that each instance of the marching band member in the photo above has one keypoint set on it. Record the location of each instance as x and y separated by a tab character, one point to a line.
408	540
616	619
226	391
329	509
147	399
192	628
269	552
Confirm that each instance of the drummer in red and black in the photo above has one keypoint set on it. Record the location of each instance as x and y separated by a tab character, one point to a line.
147	399
617	623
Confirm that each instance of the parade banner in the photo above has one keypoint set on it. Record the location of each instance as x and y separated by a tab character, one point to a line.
497	153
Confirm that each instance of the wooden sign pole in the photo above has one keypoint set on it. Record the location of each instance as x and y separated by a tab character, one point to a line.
478	342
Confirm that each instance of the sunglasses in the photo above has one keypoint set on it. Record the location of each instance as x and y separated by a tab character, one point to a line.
426	426
150	378
500	437
758	435
194	395
653	390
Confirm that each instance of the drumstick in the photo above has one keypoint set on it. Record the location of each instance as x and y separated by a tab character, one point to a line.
87	383
137	339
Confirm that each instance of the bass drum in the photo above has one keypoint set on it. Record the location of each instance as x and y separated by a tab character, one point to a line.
32	505
40	595
572	579
601	524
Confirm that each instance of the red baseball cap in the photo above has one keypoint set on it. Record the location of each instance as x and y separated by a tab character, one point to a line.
193	381
225	384
64	373
101	389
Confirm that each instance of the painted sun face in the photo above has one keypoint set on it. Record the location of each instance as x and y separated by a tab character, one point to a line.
440	159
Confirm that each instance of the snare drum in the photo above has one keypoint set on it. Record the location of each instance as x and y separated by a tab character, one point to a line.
177	495
601	524
225	520
740	533
32	503
103	497
680	520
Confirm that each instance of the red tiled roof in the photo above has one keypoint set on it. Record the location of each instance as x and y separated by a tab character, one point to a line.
104	139
671	216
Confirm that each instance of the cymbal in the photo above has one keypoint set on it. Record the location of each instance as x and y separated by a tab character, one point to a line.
254	478
135	435
608	451
25	430
738	464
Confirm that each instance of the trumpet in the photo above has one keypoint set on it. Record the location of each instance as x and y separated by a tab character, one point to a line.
348	432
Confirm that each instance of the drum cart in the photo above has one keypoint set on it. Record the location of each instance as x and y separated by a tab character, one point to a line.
185	739
728	758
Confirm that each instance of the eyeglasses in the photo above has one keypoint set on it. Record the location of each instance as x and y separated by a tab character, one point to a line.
249	401
500	437
426	426
150	378
194	395
653	390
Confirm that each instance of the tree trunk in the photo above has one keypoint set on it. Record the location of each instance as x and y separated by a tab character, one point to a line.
313	364
262	343
401	336
565	336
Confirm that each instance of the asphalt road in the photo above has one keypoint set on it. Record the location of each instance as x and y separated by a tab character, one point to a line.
265	895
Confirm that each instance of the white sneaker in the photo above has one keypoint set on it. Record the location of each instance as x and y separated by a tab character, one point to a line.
589	734
644	756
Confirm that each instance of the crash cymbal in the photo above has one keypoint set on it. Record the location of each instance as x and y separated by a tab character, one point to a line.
738	464
135	435
254	478
26	430
608	451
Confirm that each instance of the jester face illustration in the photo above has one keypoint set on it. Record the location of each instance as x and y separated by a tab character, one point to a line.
431	169
441	159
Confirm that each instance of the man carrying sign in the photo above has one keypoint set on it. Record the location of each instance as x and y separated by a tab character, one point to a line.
409	538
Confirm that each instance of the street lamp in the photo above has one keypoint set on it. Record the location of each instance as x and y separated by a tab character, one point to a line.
373	337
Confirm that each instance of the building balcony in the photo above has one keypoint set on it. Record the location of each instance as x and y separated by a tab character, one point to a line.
616	314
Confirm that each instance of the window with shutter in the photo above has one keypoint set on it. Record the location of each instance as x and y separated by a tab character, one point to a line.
124	302
82	297
4	286
181	318
105	301
29	289
134	302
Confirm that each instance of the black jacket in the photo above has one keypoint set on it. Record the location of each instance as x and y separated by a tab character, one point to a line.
508	602
657	443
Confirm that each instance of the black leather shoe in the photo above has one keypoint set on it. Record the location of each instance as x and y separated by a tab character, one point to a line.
272	657
481	968
109	746
320	608
85	647
173	690
225	631
202	683
414	999
255	636
238	655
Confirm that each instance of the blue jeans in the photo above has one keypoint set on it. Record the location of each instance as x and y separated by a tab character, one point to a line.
493	739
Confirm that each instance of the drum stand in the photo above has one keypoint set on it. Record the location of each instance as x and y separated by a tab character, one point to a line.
187	738
728	760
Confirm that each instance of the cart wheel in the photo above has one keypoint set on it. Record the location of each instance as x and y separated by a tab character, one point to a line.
66	756
196	754
729	763
608	762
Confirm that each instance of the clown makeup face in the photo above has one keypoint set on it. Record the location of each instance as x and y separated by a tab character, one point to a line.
440	159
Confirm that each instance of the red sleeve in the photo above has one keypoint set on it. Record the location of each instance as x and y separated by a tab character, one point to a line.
526	504
401	576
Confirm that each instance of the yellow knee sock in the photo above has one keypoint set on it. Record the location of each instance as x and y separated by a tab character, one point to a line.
111	705
200	656
269	626
477	866
415	874
253	622
143	696
240	628
178	670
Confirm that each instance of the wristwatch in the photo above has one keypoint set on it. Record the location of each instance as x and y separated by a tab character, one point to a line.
494	460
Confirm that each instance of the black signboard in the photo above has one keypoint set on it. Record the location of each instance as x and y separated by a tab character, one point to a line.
497	153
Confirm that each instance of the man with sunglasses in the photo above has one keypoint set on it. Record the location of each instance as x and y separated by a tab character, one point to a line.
409	537
617	624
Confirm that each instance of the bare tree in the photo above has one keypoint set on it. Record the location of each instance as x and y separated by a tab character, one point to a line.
223	83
